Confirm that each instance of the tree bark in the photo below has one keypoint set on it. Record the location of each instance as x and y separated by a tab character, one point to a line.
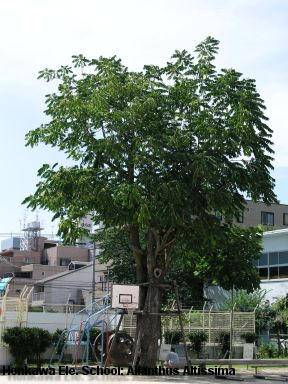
151	269
149	328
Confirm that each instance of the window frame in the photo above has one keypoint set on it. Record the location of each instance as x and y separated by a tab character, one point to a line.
267	213
240	218
270	265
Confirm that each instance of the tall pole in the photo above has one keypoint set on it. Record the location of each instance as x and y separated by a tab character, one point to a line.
231	323
180	321
93	277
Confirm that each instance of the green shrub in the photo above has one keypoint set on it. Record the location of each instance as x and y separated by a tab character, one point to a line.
18	340
197	339
267	350
40	340
27	343
224	340
58	340
35	309
249	337
172	337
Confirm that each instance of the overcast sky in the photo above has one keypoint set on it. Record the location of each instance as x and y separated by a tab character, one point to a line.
37	34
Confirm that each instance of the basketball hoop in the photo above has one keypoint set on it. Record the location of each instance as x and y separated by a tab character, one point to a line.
125	296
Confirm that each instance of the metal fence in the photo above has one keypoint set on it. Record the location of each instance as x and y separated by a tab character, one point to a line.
211	322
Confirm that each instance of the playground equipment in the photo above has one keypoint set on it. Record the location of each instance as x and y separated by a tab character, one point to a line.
109	345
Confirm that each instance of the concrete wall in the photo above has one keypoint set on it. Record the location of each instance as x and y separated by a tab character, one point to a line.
5	357
54	254
18	259
275	288
252	215
40	271
53	321
26	257
275	241
71	285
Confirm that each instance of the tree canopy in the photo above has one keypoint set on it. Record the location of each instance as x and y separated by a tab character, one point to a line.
228	263
157	151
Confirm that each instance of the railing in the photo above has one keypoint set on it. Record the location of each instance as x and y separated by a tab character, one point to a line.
38	296
55	308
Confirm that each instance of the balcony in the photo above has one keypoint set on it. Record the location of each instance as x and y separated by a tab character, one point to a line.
38	299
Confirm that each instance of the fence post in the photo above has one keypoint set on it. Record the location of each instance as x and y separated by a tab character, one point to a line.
209	318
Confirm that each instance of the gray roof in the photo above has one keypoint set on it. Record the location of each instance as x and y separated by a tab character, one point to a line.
58	275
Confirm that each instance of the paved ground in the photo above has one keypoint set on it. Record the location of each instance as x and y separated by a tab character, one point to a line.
125	380
247	375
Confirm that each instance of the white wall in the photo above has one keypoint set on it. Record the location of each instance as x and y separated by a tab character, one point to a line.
52	321
70	285
275	288
275	241
5	357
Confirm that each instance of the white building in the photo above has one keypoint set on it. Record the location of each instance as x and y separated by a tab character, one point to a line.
272	265
73	287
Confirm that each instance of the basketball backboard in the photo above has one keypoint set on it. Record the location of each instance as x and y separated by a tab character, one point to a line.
125	296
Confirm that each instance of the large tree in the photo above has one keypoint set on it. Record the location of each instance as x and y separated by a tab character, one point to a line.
159	150
229	262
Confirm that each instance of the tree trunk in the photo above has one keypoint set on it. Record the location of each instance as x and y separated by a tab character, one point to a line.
151	268
149	328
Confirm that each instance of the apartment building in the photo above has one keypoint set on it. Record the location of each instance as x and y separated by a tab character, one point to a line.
73	286
27	266
274	216
64	255
29	274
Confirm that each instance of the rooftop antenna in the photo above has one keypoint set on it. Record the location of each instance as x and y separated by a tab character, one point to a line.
24	218
32	232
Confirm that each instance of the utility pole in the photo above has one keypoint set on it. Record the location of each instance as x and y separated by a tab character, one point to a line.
93	277
231	324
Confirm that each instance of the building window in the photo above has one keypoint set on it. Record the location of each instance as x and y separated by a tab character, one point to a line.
283	271
103	281
285	218
65	262
273	273
263	273
273	258
240	217
283	257
267	218
263	259
273	265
